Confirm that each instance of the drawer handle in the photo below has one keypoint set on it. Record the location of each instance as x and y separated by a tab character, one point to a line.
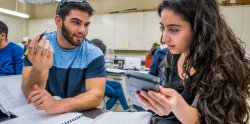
117	78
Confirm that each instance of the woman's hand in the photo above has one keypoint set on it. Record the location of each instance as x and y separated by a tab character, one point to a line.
161	103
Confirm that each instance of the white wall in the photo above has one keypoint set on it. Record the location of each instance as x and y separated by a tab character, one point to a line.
137	31
128	31
238	18
16	27
36	27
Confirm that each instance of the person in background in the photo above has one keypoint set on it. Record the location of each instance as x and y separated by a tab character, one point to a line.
65	64
113	89
158	56
149	55
23	43
206	74
11	62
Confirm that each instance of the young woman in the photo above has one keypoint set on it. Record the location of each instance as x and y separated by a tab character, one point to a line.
206	75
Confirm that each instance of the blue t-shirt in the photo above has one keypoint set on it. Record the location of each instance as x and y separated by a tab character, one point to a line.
11	62
72	67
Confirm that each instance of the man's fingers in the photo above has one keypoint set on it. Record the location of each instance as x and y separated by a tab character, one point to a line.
32	45
46	49
29	41
36	87
40	46
40	107
34	93
38	102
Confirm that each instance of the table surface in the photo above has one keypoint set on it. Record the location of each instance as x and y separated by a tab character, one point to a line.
92	113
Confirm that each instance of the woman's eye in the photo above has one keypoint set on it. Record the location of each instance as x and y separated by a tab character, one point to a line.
162	29
172	30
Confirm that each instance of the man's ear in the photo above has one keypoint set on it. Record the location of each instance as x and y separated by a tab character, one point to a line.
3	35
58	21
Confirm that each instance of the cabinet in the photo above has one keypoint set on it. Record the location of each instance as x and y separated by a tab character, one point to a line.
245	27
129	31
126	31
137	31
233	16
152	29
238	17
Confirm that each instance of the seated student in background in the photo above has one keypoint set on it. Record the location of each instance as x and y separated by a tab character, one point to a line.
206	74
11	62
67	65
113	89
149	55
158	56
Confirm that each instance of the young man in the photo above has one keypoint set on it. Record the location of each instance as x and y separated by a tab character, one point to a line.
68	66
11	62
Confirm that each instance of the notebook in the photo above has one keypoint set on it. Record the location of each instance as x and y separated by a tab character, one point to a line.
13	101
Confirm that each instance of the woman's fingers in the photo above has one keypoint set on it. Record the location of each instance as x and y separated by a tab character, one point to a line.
155	106
162	102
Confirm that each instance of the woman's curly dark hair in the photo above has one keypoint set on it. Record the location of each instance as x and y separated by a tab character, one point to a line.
222	72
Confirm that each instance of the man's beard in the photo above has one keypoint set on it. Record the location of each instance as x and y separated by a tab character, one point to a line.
68	35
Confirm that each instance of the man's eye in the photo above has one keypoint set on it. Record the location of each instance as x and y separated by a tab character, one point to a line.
87	25
76	22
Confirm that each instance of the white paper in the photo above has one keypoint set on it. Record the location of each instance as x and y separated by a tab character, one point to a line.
41	117
23	110
11	94
12	99
124	118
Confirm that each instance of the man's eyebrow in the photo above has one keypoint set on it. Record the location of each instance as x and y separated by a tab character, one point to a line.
76	19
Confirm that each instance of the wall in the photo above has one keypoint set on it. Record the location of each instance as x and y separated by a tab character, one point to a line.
16	27
18	6
238	18
100	7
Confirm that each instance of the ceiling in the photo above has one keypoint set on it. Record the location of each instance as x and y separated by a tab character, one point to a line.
38	1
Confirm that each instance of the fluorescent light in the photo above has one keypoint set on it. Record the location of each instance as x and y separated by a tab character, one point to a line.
58	0
14	13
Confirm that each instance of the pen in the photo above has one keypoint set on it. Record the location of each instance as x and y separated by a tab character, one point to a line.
41	36
4	110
